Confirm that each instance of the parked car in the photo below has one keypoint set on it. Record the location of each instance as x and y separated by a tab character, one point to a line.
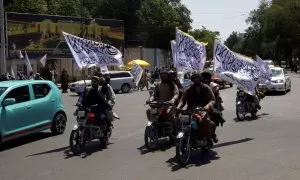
30	106
186	82
270	63
119	81
280	81
222	83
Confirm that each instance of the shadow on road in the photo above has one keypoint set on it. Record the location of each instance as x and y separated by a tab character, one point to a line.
249	118
24	140
88	150
198	158
232	142
163	145
274	93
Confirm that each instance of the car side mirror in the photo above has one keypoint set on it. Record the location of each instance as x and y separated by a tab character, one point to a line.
9	101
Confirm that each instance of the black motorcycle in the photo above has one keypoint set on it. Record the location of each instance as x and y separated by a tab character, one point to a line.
158	125
190	138
244	105
89	127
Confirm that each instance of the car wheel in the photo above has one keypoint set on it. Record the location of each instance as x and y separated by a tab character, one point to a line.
284	92
59	124
125	88
231	85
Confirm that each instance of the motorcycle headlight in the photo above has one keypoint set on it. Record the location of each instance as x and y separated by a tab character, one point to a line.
241	93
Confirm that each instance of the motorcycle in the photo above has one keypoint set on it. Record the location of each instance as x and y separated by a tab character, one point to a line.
157	126
86	129
192	136
244	105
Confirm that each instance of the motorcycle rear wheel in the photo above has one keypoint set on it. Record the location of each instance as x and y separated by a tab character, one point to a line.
151	137
183	151
78	146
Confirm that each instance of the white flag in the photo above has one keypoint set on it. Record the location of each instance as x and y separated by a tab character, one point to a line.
235	68
43	60
28	64
265	75
137	72
87	52
12	73
191	54
104	69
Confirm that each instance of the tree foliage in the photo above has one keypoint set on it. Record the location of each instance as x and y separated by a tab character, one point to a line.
148	23
206	36
273	32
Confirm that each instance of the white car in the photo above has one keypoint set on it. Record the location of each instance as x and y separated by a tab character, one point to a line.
280	80
270	63
119	81
186	83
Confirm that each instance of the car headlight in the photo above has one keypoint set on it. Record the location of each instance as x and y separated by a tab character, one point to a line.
279	81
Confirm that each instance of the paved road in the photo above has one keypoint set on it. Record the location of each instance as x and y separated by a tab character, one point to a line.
266	148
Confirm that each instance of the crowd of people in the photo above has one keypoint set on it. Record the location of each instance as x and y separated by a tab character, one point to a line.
64	78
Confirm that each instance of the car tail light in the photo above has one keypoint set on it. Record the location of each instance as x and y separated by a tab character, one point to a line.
91	118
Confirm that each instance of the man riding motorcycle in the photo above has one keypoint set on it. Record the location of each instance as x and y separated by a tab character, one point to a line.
92	96
256	96
216	115
199	94
167	91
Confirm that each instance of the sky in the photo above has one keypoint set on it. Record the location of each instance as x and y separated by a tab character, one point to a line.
224	16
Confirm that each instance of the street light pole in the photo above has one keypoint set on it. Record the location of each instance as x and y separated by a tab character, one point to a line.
2	47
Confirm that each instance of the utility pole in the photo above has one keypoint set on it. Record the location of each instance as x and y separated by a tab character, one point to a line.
2	47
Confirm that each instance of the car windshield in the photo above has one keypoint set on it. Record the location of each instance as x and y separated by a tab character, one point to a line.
276	72
2	90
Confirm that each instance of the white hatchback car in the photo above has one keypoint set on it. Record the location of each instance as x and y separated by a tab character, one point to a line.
280	80
119	81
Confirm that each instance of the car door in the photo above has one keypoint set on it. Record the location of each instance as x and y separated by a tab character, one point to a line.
17	117
43	103
115	82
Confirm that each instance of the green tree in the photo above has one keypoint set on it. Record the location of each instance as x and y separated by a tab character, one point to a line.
206	36
232	40
26	6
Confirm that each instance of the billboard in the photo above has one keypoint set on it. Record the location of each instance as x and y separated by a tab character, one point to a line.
41	34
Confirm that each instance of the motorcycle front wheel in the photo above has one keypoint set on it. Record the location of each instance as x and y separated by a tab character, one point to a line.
76	143
151	137
240	112
183	151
